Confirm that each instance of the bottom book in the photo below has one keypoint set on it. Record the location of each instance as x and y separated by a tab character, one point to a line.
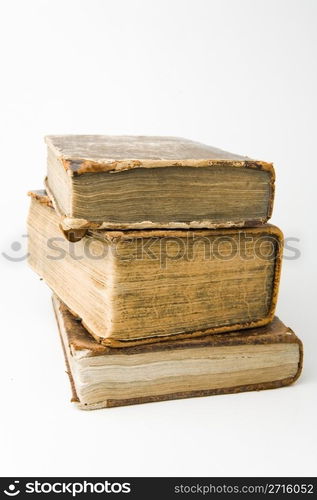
260	358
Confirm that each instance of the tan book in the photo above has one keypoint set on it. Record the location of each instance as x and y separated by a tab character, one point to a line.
125	182
256	359
131	287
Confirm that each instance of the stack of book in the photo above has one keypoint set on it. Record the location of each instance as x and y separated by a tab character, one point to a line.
164	271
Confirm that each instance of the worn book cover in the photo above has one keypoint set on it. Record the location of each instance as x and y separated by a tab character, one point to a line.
251	360
132	287
126	182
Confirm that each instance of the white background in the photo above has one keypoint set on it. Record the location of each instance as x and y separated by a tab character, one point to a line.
239	75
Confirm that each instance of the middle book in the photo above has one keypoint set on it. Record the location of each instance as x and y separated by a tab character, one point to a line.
131	287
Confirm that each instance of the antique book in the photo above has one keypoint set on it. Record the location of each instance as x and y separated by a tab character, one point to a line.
153	285
130	182
260	358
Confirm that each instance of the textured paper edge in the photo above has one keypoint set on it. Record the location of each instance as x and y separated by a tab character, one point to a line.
267	229
111	403
70	225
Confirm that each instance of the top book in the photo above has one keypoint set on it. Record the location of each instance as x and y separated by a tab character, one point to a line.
124	182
